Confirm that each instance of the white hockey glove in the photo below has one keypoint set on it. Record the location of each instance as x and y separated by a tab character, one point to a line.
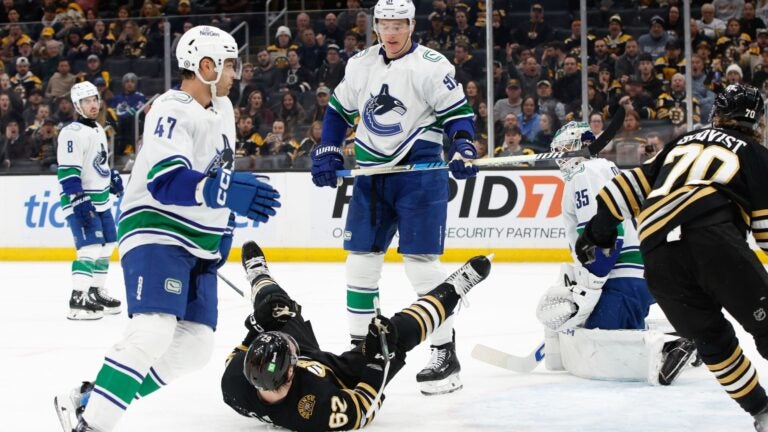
569	302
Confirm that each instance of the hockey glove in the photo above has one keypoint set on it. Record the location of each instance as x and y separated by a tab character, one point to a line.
116	184
463	152
326	160
586	246
380	326
274	310
242	193
82	208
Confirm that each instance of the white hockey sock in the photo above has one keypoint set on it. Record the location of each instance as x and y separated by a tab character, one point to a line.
101	266
83	267
363	273
425	273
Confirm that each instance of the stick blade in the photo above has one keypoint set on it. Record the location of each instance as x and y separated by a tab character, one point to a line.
522	365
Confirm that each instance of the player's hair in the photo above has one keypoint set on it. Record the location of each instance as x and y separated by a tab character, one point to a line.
722	122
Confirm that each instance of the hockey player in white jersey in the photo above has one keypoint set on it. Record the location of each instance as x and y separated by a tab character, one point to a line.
406	97
173	234
594	316
87	183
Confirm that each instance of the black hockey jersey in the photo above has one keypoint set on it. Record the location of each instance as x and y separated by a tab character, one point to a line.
695	174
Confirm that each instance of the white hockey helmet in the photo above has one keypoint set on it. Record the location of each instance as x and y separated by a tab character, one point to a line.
394	9
82	90
569	138
206	42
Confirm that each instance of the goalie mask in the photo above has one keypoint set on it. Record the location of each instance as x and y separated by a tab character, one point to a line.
268	359
203	42
83	90
572	136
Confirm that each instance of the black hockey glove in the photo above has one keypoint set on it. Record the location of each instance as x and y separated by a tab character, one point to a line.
379	326
274	310
586	245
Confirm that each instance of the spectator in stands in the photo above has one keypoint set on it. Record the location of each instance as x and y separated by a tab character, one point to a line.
596	100
464	33
437	37
467	66
350	45
671	105
279	50
296	77
529	76
104	91
529	118
616	39
733	38
10	41
733	74
123	15
24	77
261	115
671	62
312	139
363	31
74	48
177	20
100	41
331	72
535	31
65	112
279	141
13	147
481	118
711	26
500	79
653	145
749	22
303	22
553	60
322	98
702	85
265	75
573	41
568	88
93	70
655	41
760	72
290	112
61	81
626	64
728	9
42	143
547	103
596	123
501	33
547	127
346	19
243	86
674	22
474	94
514	143
310	52
25	50
149	17
629	140
39	47
512	104
46	20
131	43
646	74
126	104
330	31
601	59
634	99
35	110
247	145
606	82
5	83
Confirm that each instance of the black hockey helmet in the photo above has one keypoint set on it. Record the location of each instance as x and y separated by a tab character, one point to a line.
740	102
268	359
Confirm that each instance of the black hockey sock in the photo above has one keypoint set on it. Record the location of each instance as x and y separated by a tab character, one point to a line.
416	322
738	377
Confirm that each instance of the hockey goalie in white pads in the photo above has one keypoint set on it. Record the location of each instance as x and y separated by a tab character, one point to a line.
594	315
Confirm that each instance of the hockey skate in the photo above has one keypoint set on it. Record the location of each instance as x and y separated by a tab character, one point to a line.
83	307
254	262
441	375
470	274
111	305
70	406
761	420
676	356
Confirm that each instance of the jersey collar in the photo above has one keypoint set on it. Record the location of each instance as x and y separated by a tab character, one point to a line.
383	53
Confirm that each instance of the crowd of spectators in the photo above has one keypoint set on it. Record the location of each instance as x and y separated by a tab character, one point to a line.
635	52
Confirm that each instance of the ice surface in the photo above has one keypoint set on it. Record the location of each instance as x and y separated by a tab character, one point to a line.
42	353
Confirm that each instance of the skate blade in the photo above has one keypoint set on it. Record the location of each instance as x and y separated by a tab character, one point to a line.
112	311
63	412
443	386
80	315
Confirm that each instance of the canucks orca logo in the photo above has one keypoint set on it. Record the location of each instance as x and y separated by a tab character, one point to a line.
100	161
380	105
225	158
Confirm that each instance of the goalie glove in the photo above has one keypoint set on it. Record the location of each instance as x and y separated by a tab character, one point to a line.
569	303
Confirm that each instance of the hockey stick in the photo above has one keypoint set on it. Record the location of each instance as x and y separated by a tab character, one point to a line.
231	285
507	361
591	150
384	352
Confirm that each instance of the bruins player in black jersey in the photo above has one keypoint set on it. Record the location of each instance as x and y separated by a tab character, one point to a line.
694	203
280	375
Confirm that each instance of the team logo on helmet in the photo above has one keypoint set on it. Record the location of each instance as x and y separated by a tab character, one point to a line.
379	109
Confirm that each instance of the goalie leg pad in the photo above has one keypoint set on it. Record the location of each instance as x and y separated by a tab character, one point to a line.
425	272
363	271
613	355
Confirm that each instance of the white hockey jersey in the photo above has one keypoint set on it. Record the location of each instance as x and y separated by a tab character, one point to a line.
82	152
406	100
178	131
580	204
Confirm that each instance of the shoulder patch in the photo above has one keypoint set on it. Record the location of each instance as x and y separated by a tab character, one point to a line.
74	126
432	56
307	406
361	53
182	97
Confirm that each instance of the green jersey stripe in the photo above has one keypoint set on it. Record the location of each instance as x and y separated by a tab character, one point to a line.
148	219
463	110
64	173
164	167
348	116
